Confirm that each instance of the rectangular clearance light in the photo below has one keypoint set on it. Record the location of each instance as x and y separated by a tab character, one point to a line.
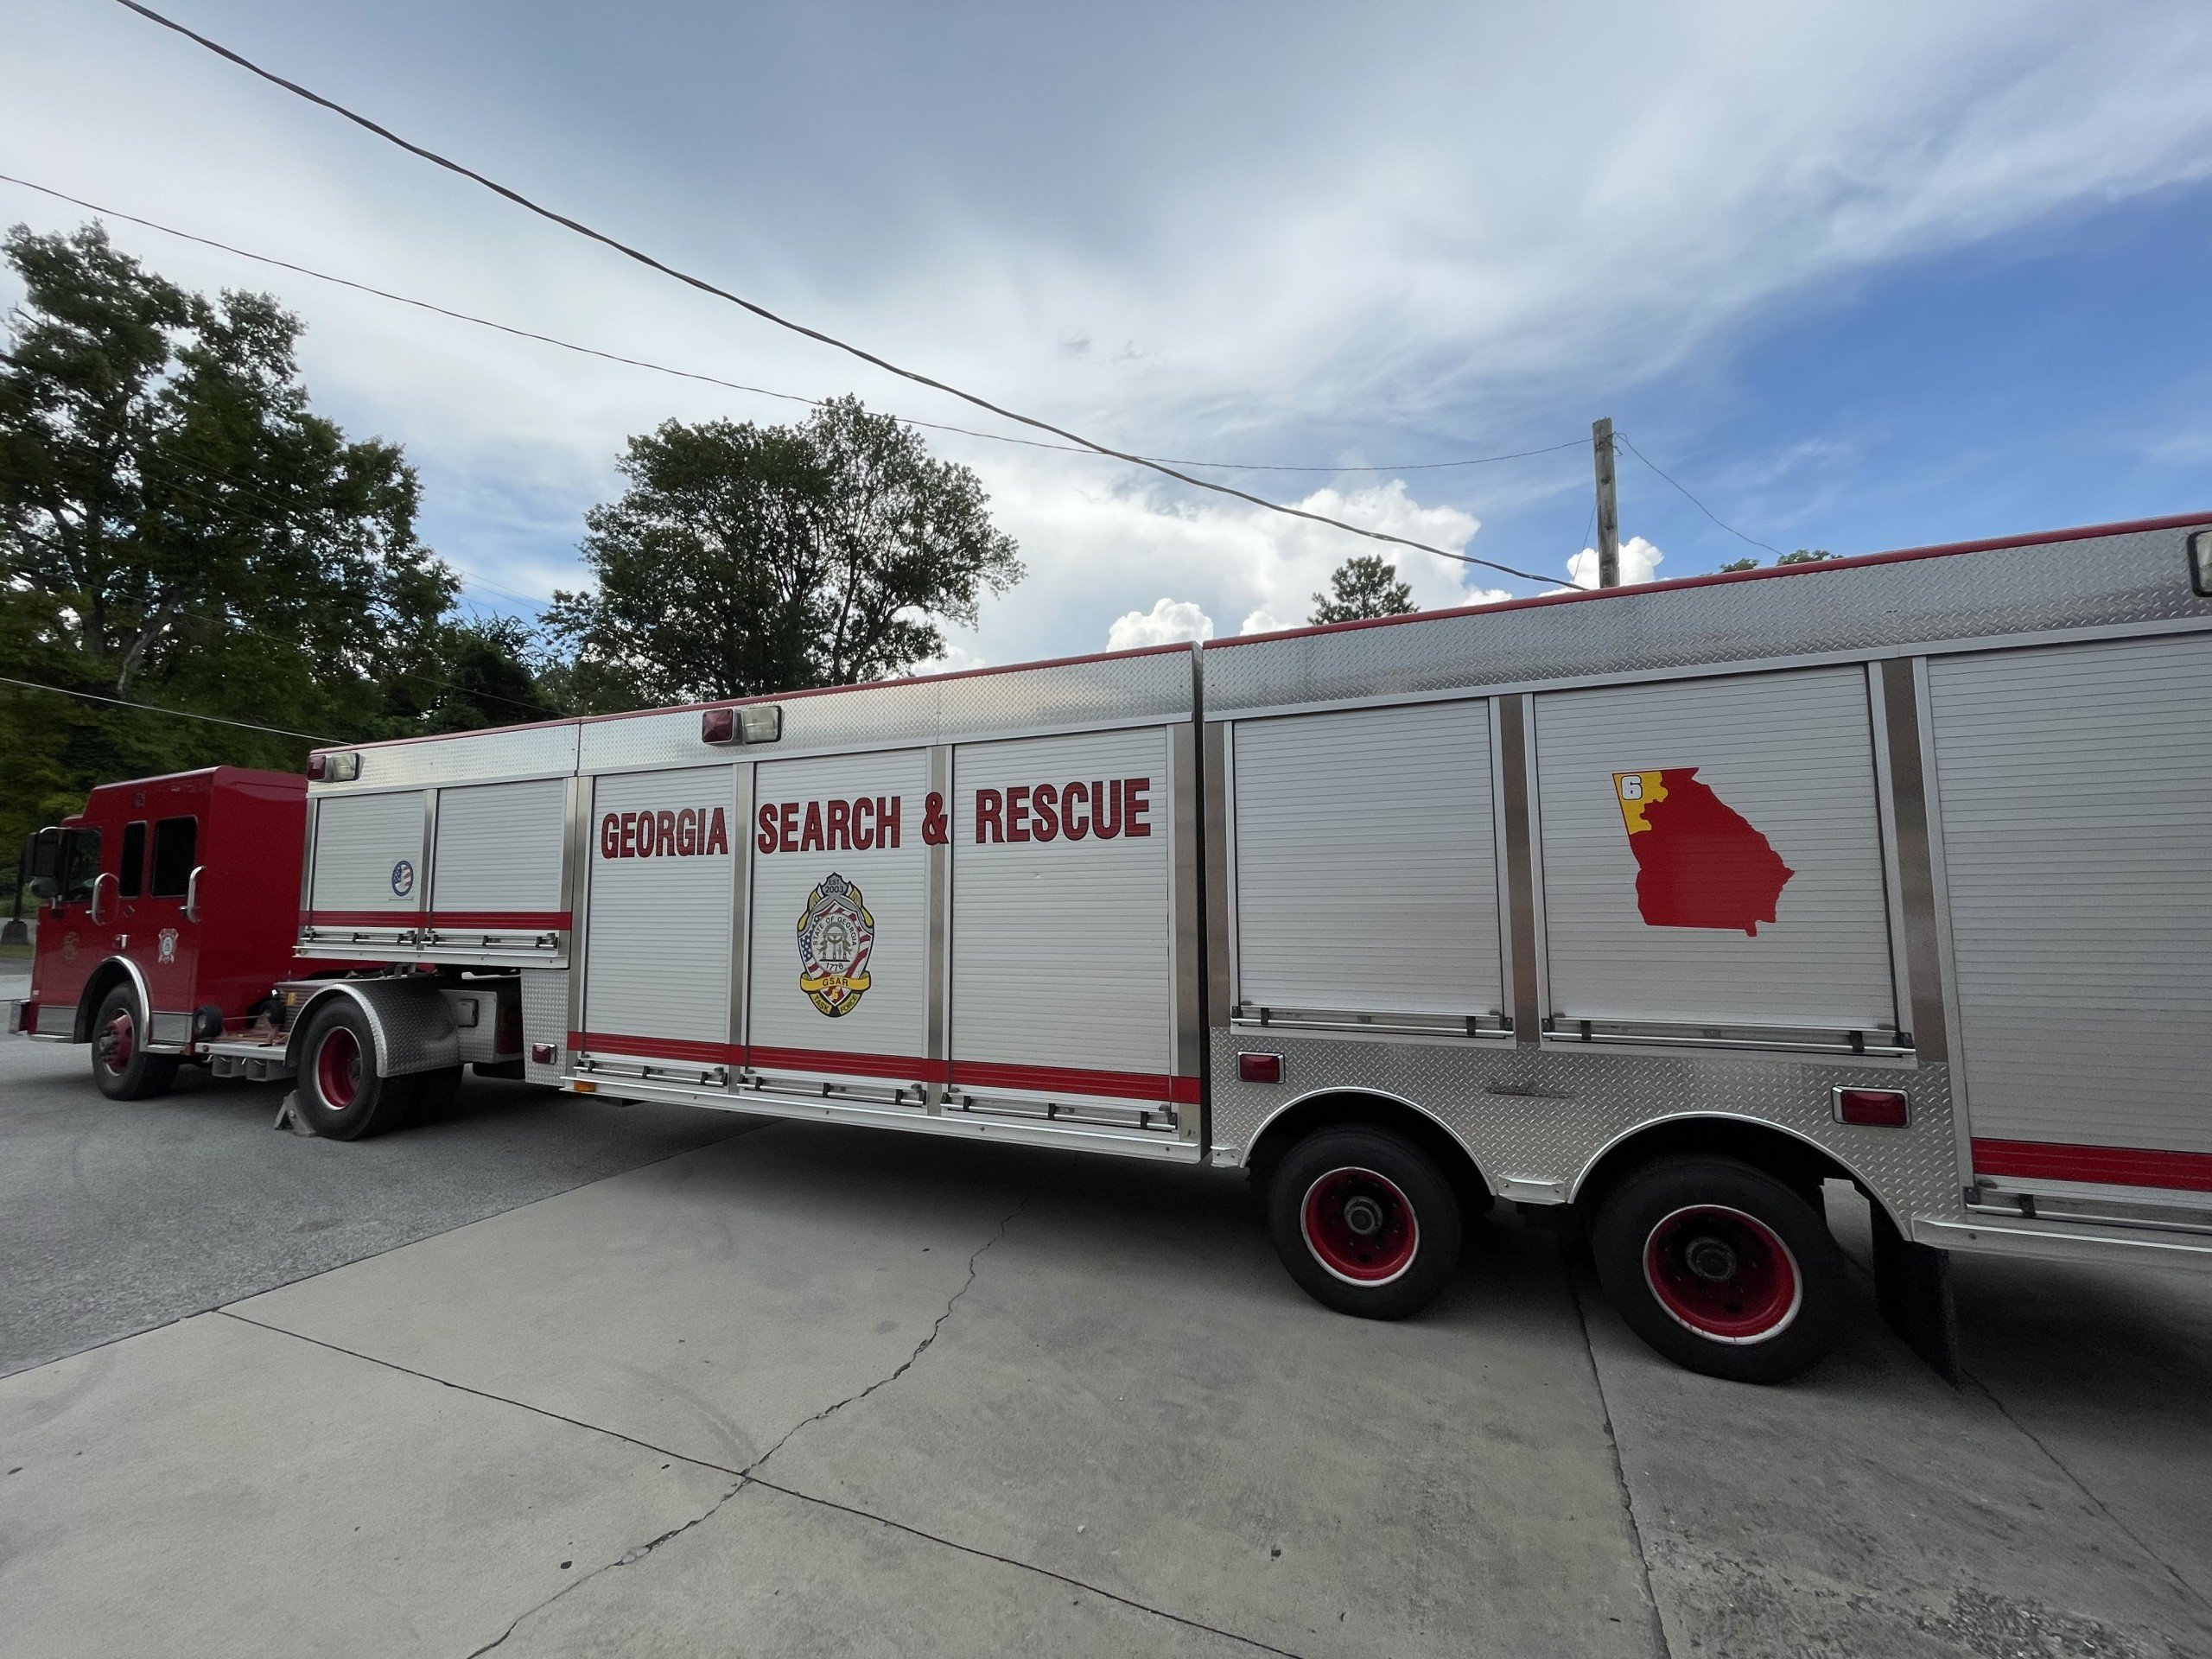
760	722
1259	1068
2200	562
1872	1108
328	768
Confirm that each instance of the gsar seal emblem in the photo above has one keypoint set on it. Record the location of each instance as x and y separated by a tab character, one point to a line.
836	935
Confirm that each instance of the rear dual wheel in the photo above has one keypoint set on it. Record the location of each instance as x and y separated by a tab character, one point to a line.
1721	1268
338	1093
1365	1220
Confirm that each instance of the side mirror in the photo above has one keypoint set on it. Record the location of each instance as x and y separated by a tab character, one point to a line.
42	888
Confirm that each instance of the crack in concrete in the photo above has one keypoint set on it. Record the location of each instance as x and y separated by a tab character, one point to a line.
2083	1487
921	1348
629	1559
745	1478
1620	1470
1026	1567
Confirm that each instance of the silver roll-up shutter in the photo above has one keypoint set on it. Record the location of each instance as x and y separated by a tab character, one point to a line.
368	856
1366	874
1758	897
657	944
500	847
2074	785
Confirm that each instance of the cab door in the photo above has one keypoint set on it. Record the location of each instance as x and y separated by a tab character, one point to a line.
164	939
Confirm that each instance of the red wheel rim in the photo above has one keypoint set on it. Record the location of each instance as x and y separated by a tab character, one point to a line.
338	1069
118	1042
1723	1273
1360	1226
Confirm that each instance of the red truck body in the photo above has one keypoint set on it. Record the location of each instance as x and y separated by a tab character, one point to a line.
189	885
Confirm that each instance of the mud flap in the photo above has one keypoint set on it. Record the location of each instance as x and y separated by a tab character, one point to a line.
1912	1287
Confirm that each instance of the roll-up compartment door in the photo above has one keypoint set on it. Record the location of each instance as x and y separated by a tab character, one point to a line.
1063	938
1712	854
1366	873
368	860
841	947
658	943
499	874
2074	785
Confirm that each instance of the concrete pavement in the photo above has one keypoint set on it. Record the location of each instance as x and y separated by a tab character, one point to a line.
812	1390
116	1216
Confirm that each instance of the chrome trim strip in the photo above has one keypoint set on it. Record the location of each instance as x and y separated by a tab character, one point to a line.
1900	742
1515	801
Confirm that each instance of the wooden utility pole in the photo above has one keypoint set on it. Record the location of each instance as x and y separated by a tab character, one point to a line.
1609	514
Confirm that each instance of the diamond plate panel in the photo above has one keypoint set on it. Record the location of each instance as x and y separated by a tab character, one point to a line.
544	1020
467	757
1546	1114
414	1028
1126	687
2140	577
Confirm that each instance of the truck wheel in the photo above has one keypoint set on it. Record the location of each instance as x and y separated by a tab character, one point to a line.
1365	1222
338	1094
1721	1268
121	1066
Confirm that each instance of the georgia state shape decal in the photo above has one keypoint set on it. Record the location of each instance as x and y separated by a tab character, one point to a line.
1699	862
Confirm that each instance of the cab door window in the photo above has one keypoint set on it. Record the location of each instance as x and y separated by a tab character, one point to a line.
80	866
130	873
177	844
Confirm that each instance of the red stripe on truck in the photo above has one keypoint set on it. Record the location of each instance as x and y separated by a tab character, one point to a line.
843	1065
2178	1172
365	918
657	1048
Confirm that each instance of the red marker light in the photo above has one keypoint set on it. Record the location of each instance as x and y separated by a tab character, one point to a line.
1259	1068
718	726
1873	1109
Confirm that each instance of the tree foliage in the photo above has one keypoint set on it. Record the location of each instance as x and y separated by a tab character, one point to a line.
1363	585
179	528
745	558
1802	555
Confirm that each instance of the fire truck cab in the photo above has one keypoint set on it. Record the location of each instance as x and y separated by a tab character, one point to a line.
164	906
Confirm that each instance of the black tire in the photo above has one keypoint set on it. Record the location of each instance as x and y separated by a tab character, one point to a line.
336	1090
121	1066
1721	1268
1365	1220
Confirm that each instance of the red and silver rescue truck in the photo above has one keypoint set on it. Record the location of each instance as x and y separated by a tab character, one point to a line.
1649	909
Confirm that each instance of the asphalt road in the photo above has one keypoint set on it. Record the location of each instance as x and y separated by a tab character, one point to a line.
810	1390
116	1216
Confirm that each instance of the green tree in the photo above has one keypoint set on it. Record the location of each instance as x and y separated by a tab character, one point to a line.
1363	585
177	527
745	558
1741	564
1805	556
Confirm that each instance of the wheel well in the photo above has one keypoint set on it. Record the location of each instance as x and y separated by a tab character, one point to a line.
104	978
1352	1106
1781	1154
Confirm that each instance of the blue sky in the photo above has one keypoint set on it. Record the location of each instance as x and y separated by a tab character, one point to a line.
1860	276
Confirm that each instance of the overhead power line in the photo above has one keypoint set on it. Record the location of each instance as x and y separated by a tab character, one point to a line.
738	385
780	321
156	708
1695	502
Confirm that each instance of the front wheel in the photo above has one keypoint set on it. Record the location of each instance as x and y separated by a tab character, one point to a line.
1365	1220
1721	1268
338	1093
121	1066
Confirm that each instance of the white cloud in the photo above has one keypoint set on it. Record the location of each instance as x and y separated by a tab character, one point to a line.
953	659
1166	622
1152	242
1264	621
1639	563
